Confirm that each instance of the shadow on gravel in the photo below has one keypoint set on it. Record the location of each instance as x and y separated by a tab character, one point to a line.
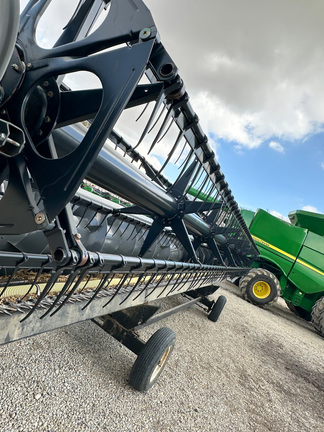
279	309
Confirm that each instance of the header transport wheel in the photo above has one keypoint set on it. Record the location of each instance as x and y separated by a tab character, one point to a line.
217	308
260	287
152	359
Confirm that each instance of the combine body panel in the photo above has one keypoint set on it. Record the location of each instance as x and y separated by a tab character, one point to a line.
137	234
312	221
277	240
295	255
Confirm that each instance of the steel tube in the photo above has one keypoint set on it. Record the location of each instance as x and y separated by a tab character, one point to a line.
111	171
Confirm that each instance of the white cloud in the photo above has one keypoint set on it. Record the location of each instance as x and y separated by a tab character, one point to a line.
253	83
322	165
279	215
247	82
277	147
310	208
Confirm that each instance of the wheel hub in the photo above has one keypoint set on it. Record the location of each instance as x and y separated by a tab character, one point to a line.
159	367
261	289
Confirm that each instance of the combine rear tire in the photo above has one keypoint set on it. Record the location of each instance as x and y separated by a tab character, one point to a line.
152	359
217	308
318	316
260	287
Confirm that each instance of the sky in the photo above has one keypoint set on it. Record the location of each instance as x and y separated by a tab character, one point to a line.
254	72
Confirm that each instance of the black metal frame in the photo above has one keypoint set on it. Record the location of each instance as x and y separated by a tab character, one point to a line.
123	325
41	201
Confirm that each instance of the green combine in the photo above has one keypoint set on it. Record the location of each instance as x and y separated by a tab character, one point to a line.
290	265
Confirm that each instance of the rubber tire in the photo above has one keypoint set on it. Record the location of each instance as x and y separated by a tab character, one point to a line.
149	358
318	316
217	308
259	274
300	312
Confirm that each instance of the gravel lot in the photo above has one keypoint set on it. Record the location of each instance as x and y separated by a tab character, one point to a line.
253	370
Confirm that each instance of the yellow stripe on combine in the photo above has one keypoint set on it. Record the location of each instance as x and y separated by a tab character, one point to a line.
309	266
287	255
273	247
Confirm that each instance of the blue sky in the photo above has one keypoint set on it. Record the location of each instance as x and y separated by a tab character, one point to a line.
253	70
254	73
281	180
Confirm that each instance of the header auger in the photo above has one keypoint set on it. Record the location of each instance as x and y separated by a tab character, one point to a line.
67	254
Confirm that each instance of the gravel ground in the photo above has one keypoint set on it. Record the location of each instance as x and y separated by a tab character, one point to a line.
253	370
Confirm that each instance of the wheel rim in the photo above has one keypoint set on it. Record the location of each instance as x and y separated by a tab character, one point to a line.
159	367
261	289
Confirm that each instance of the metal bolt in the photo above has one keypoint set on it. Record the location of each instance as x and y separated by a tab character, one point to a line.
40	132
40	218
29	65
47	119
50	94
3	111
77	236
145	33
15	67
45	83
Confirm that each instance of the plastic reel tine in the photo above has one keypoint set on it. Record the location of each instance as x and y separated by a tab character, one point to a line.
111	225
40	271
45	291
141	225
158	119
167	284
72	291
132	232
198	180
151	282
128	280
86	283
167	130
164	237
151	278
193	281
117	289
84	213
166	161
199	171
65	288
100	287
198	280
162	277
184	166
140	277
162	128
182	150
25	259
104	218
126	227
144	232
186	278
207	194
174	285
209	277
95	214
148	127
142	112
121	222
